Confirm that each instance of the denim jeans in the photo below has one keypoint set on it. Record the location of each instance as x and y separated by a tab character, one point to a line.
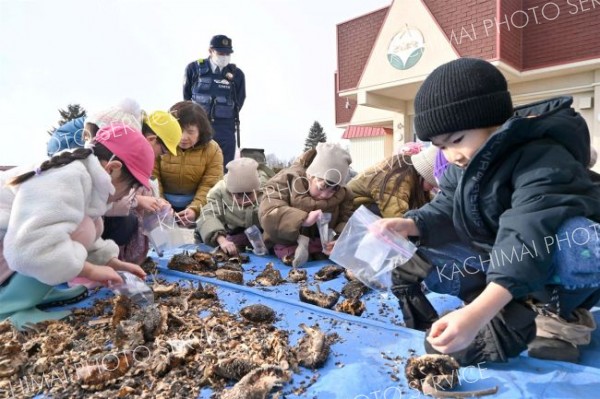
575	272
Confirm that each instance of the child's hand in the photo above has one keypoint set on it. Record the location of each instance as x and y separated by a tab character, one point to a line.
329	248
456	330
132	268
102	274
312	218
227	246
148	203
187	217
405	227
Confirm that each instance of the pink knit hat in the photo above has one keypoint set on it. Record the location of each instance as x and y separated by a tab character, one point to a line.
131	147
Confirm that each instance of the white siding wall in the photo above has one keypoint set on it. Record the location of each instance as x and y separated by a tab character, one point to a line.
367	150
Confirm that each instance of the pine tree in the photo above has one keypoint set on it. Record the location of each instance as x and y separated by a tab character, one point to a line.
315	135
73	111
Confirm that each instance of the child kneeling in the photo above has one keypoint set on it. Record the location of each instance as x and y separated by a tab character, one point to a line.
495	235
294	199
232	207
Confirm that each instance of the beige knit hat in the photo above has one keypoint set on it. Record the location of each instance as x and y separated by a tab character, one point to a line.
331	163
424	162
242	176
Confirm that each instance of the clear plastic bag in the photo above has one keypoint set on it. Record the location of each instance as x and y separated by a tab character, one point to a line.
162	231
371	257
135	288
255	237
324	231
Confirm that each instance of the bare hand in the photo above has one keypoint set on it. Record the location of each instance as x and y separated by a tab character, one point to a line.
456	330
227	246
405	227
328	248
132	268
187	217
312	218
149	203
102	274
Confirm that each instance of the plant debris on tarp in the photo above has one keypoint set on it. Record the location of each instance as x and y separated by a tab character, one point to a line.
172	349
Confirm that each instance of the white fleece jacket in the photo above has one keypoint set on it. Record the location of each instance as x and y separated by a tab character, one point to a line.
38	216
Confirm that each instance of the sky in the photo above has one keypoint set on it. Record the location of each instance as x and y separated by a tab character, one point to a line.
96	53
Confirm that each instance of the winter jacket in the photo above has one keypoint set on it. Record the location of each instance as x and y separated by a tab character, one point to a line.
526	180
38	216
286	203
367	189
222	215
192	171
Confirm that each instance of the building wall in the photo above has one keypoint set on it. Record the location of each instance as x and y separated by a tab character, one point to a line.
379	73
511	40
463	24
355	39
368	150
574	35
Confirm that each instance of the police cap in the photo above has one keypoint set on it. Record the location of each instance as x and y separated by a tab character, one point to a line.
222	44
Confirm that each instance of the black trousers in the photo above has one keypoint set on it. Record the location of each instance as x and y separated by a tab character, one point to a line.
120	229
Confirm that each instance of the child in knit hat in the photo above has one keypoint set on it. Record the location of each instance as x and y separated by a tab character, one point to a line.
397	184
76	132
232	207
296	197
514	225
51	222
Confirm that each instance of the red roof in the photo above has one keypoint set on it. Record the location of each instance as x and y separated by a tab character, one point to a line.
355	132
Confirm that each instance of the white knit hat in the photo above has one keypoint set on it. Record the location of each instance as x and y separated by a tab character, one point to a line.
331	163
242	176
127	112
424	162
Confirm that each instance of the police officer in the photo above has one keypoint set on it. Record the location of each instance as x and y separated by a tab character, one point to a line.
220	88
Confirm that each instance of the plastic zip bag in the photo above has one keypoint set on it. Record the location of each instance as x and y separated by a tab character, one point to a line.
162	231
324	231
369	255
135	288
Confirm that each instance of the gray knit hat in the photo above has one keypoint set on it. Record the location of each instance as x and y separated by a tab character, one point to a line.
331	163
467	93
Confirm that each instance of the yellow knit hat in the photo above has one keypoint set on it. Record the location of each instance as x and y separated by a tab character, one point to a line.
166	128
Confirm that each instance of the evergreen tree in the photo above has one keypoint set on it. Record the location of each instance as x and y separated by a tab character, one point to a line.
73	111
315	135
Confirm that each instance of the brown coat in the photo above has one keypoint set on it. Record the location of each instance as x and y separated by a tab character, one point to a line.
286	203
367	190
192	171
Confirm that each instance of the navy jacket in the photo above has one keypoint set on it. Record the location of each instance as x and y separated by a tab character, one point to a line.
526	180
199	68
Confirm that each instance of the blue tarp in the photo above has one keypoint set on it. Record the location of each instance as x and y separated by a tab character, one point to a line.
368	362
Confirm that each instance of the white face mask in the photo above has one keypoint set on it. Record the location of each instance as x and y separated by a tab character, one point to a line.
221	60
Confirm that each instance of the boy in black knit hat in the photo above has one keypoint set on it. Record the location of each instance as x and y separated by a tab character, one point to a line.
514	232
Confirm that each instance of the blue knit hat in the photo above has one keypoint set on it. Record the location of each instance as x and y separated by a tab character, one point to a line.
67	137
